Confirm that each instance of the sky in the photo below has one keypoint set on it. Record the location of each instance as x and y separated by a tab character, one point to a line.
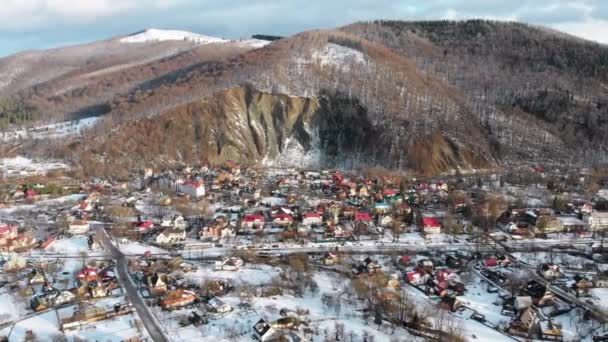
41	24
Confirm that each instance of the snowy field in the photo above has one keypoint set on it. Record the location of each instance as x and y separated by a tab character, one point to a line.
53	131
156	35
22	167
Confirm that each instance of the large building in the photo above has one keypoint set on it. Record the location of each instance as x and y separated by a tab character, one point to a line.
597	220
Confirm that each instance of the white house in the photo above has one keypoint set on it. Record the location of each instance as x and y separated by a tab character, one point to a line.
171	235
597	220
385	221
309	219
78	227
193	189
175	222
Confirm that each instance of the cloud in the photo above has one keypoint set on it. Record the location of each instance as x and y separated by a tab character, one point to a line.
53	22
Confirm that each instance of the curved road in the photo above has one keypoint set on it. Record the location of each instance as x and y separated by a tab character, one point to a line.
151	324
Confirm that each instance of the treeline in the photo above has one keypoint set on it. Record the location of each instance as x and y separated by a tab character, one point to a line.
15	112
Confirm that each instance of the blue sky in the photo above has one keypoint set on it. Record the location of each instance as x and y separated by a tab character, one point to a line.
39	24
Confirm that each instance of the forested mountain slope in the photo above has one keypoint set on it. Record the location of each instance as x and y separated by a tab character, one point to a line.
427	96
528	85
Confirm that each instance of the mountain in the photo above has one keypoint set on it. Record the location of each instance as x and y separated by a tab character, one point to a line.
425	96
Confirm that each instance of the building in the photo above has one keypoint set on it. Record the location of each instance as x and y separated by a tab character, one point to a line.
78	227
431	225
194	189
171	235
177	299
597	220
253	221
309	219
7	233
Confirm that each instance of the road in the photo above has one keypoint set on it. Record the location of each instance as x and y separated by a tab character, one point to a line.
194	252
150	323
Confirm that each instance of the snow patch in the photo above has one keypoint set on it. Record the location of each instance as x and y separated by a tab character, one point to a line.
254	43
155	35
20	166
58	130
338	56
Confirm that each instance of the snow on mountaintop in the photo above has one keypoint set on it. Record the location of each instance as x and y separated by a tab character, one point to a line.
338	56
155	35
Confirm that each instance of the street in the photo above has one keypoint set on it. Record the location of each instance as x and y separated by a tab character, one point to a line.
148	319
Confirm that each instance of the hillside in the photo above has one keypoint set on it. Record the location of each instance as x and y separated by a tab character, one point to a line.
426	96
529	85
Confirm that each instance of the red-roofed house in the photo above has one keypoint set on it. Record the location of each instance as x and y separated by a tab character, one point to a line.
31	194
363	217
88	274
144	226
193	189
492	262
282	219
417	277
431	225
253	221
311	218
48	243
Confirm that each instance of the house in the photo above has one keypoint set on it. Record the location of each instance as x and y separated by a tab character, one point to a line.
36	277
431	225
7	233
88	274
331	258
217	306
78	227
312	218
572	224
157	284
170	236
194	189
385	221
144	226
550	271
600	280
282	219
252	221
525	324
363	217
176	221
418	277
229	264
48	243
382	208
597	220
178	298
22	242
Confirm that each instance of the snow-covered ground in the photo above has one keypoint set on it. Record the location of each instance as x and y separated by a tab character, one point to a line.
45	327
254	43
237	325
21	167
156	35
58	130
117	329
69	199
338	56
130	247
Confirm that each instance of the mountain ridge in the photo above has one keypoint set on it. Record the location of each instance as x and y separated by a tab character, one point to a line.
434	96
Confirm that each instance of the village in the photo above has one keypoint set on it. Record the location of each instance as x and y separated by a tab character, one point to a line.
241	253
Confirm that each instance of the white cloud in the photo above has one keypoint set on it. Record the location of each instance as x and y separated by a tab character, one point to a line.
23	15
591	29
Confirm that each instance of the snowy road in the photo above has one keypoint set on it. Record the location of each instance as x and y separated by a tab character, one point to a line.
154	329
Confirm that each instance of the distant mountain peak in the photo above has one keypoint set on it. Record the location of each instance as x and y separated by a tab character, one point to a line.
158	35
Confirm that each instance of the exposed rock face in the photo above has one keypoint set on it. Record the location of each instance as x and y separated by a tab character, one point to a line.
249	126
